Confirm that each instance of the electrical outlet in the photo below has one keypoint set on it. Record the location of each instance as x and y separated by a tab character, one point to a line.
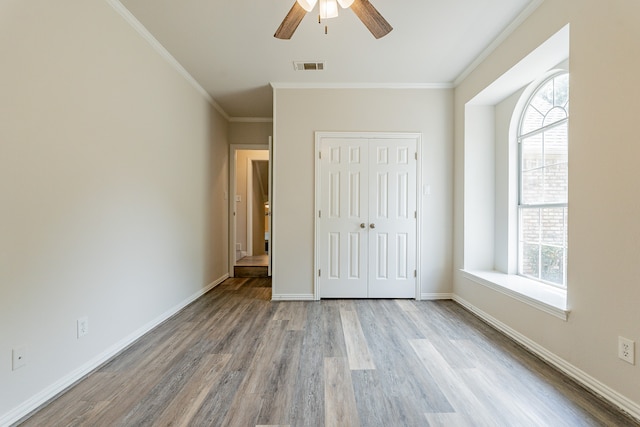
626	350
18	357
83	326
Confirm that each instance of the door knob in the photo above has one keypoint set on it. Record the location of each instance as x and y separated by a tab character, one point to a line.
362	225
372	225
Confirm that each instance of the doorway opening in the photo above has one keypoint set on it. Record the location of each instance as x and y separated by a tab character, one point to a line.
250	226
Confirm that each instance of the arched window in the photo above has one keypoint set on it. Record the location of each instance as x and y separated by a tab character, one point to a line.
543	182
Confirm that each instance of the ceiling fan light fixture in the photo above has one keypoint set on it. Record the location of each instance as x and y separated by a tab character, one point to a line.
307	5
366	13
328	9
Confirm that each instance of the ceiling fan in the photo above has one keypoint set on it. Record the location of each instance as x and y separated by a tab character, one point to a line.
364	10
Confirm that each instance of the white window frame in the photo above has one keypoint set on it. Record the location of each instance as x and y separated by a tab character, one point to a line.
530	94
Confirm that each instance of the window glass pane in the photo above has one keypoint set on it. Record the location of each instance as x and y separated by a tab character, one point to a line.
548	105
532	162
552	264
530	225
543	99
556	174
532	120
553	226
530	259
543	243
529	241
555	184
555	145
532	186
554	115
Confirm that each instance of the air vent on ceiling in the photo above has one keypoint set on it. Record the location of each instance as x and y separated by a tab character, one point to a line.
308	66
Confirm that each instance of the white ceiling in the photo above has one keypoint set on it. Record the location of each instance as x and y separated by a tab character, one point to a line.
229	48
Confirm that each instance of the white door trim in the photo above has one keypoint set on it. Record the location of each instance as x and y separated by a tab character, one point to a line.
249	201
233	148
319	135
269	240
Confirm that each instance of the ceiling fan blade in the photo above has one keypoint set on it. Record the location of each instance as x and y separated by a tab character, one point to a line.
371	18
290	22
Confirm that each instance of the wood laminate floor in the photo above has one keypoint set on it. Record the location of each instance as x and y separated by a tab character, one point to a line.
254	261
233	358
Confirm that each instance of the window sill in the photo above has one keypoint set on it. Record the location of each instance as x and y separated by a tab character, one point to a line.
543	297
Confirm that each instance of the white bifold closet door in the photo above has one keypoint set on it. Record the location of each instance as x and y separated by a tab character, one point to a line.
367	221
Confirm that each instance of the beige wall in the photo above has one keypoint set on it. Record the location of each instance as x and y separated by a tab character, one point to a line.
250	132
113	171
428	111
604	230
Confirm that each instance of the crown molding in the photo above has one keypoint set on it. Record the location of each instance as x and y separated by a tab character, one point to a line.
164	53
522	16
283	85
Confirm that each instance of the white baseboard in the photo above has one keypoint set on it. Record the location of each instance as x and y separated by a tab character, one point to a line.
623	403
435	296
292	297
79	373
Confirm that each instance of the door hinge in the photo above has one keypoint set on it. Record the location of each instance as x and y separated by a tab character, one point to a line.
415	273
415	214
319	214
416	155
320	154
319	273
